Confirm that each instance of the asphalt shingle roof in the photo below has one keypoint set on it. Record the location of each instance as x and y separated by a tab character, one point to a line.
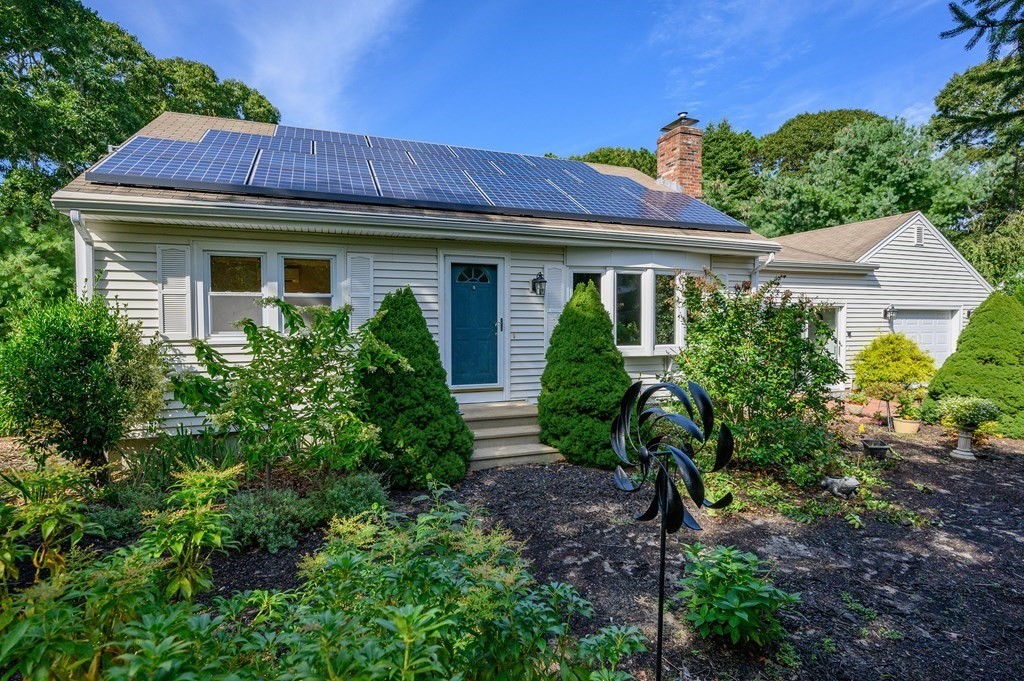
842	243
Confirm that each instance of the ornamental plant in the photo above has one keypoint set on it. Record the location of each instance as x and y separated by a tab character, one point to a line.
299	396
727	596
891	366
422	433
967	413
989	362
76	376
764	356
583	380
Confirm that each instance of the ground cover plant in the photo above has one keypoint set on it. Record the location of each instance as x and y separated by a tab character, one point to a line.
422	433
989	362
583	380
765	361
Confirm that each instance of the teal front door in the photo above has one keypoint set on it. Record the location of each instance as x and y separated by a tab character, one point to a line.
475	324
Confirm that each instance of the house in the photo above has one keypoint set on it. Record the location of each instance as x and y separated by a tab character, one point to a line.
897	273
193	219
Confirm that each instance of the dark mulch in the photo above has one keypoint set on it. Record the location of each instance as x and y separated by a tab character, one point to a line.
953	590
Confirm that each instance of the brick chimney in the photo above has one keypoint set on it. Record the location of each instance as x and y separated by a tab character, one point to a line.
679	155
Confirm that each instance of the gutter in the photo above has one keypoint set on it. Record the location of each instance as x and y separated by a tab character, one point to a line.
85	260
228	215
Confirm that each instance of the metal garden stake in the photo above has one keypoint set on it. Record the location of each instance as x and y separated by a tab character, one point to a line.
662	441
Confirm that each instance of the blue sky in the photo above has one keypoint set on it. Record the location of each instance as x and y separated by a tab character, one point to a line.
533	76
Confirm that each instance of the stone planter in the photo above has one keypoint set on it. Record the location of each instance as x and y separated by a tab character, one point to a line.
964	445
855	409
905	426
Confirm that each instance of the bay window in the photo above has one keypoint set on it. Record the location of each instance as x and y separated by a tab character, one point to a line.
645	306
628	309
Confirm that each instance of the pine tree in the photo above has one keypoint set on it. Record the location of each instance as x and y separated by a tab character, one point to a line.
583	382
989	362
422	431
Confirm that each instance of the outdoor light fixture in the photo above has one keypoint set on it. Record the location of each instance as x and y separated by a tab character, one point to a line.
539	284
889	312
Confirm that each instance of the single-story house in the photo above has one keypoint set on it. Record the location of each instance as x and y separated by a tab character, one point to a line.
193	219
897	273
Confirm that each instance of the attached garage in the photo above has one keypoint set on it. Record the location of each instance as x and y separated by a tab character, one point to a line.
932	330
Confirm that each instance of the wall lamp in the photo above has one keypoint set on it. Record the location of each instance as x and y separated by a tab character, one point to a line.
889	313
539	285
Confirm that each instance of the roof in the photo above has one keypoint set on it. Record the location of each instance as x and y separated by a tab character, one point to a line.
840	244
126	176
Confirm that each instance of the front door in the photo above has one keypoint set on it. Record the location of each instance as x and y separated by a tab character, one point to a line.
475	324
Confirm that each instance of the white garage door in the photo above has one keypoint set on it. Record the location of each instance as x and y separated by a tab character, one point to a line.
930	329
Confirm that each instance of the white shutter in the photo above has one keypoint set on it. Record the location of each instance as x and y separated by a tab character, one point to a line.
360	288
554	297
174	291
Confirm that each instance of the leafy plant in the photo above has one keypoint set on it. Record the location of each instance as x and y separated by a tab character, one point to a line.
858	397
726	596
422	431
891	366
764	356
299	395
967	413
154	466
583	378
76	376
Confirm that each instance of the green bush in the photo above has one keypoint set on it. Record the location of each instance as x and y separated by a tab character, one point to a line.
274	519
930	412
583	380
422	431
890	366
764	358
154	466
76	376
967	413
989	362
727	596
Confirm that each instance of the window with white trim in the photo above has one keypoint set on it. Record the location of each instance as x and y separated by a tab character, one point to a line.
307	282
236	287
667	304
583	277
629	309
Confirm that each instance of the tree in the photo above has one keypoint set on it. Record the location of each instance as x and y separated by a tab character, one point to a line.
989	362
192	87
891	366
422	432
641	159
584	379
997	254
791	148
728	156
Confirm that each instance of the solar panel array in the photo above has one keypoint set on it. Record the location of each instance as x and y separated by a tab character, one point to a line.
320	164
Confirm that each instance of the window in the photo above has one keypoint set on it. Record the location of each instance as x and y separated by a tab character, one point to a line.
584	277
666	305
628	309
307	282
236	287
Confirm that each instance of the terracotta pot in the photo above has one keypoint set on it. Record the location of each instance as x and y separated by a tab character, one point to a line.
964	445
905	426
855	409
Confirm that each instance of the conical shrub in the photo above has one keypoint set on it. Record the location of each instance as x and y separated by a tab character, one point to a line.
989	362
583	382
422	431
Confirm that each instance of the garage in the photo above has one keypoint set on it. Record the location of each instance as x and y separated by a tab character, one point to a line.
930	329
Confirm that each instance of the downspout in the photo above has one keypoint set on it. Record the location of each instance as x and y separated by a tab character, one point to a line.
85	260
755	279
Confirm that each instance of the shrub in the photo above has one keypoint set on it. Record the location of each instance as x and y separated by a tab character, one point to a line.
929	412
726	596
967	413
890	366
764	357
989	362
422	431
154	466
76	376
299	396
857	397
583	381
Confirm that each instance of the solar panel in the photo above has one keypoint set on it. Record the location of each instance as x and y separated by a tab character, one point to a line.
321	164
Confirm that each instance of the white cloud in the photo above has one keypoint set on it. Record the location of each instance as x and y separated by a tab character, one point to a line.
302	55
918	113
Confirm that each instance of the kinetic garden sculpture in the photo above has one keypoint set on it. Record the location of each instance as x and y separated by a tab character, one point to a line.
662	441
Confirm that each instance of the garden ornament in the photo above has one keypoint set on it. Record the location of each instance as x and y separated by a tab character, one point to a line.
844	488
661	443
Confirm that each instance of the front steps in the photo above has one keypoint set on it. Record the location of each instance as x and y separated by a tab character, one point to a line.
506	434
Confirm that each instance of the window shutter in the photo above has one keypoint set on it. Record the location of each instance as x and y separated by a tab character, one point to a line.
174	292
360	288
554	298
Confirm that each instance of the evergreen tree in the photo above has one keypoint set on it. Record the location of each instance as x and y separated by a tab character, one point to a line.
791	148
989	362
583	381
640	159
729	179
421	427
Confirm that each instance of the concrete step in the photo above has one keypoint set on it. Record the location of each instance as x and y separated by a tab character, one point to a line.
525	434
512	455
499	414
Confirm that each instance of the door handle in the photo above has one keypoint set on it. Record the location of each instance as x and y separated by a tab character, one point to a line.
500	324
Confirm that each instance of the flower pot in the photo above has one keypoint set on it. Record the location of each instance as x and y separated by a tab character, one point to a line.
855	409
905	426
876	448
964	445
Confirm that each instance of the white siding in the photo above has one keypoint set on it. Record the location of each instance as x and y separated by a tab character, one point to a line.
930	276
